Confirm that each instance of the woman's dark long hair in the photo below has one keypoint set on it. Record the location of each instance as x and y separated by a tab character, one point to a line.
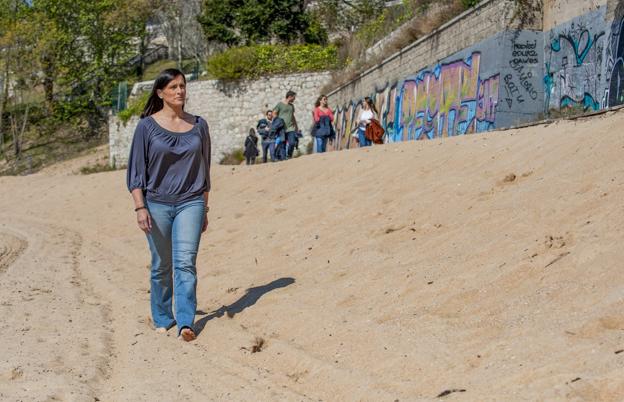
154	103
318	101
370	103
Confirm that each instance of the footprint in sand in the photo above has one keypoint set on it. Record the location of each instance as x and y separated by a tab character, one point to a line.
13	374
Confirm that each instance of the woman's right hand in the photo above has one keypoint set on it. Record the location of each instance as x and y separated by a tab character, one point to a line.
144	220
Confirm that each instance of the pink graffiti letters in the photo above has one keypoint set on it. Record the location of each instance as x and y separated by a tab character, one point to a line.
447	101
452	99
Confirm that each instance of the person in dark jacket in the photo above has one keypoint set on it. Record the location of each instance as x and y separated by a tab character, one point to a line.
323	119
278	133
264	127
251	147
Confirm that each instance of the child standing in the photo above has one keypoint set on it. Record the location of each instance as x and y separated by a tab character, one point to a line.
251	147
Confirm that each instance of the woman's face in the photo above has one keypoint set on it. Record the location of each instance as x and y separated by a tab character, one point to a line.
324	101
366	105
174	94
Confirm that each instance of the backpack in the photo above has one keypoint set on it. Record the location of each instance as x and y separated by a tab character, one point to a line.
374	132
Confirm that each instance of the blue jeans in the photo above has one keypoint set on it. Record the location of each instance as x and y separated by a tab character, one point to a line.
362	138
268	147
173	242
321	144
291	140
280	150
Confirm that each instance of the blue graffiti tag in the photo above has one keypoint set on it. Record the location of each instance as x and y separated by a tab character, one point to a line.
588	102
580	54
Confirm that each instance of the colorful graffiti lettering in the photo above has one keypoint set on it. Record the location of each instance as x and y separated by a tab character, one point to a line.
451	99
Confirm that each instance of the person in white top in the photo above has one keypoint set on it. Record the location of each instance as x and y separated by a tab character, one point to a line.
367	113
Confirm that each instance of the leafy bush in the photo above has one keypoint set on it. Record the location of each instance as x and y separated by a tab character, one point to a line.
135	108
234	157
470	3
258	60
97	168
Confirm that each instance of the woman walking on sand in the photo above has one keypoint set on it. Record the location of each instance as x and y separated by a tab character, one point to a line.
323	120
368	112
169	178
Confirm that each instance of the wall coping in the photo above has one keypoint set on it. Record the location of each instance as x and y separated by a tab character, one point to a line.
400	52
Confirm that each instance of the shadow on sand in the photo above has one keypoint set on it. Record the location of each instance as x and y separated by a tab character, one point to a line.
249	299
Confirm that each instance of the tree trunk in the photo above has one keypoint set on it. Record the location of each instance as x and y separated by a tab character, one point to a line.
142	50
18	133
48	81
16	144
48	85
5	99
179	39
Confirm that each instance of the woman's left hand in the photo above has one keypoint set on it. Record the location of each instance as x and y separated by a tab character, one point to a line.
205	225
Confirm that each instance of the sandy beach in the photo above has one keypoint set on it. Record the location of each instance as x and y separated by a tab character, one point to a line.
478	268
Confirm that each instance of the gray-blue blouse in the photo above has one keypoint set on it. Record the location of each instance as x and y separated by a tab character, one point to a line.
169	167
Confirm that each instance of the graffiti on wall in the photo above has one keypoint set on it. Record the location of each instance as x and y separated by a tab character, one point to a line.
573	64
450	99
578	65
614	94
518	82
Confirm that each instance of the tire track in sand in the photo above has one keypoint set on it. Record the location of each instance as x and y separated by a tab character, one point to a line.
10	248
55	329
146	365
74	330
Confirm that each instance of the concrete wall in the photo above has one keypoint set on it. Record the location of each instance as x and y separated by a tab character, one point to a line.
491	84
557	12
464	31
584	60
487	69
574	71
231	109
482	70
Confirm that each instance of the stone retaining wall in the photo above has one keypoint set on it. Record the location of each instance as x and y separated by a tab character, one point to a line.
489	68
231	109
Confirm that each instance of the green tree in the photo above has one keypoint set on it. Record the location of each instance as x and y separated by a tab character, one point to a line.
235	22
348	15
83	47
16	72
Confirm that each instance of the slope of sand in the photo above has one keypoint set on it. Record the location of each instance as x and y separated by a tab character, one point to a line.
488	266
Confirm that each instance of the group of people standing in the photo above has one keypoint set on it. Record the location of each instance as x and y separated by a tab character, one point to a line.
279	133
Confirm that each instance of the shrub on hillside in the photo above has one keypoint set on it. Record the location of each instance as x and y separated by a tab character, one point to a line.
135	108
470	3
250	62
234	157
